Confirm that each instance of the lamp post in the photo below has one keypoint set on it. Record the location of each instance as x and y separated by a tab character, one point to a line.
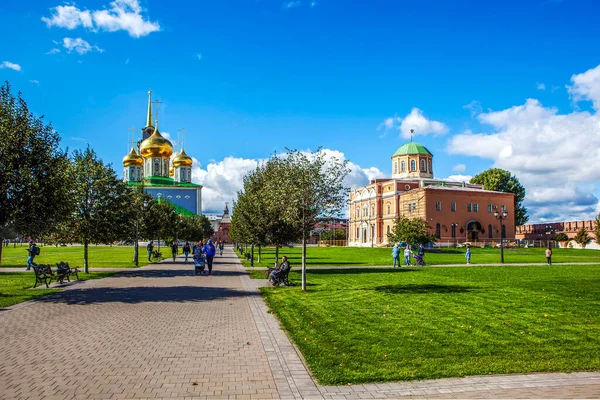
136	246
501	216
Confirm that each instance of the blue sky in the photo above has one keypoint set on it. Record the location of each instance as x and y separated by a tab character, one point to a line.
246	78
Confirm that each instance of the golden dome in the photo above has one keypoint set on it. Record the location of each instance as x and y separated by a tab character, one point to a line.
171	171
133	159
156	146
182	160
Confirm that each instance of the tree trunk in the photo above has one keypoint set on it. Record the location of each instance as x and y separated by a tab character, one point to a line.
1	246
259	247
252	257
276	254
85	257
304	260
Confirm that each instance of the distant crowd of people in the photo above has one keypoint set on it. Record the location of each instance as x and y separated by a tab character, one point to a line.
209	250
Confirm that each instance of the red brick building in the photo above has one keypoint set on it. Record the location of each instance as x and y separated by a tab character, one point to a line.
456	211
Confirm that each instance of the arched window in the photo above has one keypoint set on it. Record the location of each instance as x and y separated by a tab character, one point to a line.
413	165
388	230
453	230
423	167
490	231
388	208
395	167
438	230
403	166
430	169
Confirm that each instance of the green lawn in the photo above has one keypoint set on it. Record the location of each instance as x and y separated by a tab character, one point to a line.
16	287
356	256
99	256
374	325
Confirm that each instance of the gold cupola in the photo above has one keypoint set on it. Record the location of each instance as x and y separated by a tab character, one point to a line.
133	159
182	160
156	146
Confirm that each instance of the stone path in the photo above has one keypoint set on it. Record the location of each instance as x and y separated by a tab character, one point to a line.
160	332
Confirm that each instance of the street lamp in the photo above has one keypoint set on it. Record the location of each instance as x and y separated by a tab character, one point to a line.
501	216
137	234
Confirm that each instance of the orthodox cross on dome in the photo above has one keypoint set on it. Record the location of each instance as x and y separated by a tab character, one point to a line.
412	131
226	210
157	102
132	129
181	137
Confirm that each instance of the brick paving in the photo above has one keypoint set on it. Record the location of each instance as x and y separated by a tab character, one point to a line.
160	332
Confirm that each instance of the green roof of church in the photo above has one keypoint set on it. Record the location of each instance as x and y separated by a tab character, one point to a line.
411	148
162	181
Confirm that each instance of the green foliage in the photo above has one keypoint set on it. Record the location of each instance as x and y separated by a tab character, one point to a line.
335	234
597	229
560	237
103	211
411	230
369	325
503	181
33	188
582	237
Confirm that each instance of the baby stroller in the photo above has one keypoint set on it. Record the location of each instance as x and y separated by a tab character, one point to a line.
199	263
418	259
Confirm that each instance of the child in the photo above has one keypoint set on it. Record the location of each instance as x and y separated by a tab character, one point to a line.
468	255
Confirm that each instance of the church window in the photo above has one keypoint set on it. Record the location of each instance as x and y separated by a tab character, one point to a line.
438	206
156	170
395	167
438	230
490	231
453	206
413	165
403	166
423	167
357	234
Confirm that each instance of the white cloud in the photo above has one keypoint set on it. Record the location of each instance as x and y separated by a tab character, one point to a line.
555	156
79	45
127	61
459	178
53	51
34	81
199	56
540	86
9	65
313	4
474	107
414	120
586	86
291	4
459	168
123	15
223	179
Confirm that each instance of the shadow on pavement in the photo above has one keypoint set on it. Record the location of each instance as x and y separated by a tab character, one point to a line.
140	294
172	273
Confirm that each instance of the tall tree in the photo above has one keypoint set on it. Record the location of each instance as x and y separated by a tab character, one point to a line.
411	230
582	237
503	181
310	186
33	182
103	209
597	229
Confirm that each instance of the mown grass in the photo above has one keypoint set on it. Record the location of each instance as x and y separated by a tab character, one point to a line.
99	256
16	287
356	256
374	325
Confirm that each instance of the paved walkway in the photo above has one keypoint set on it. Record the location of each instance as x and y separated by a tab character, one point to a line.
160	332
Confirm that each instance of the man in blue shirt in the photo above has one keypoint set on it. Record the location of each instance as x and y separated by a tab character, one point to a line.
210	251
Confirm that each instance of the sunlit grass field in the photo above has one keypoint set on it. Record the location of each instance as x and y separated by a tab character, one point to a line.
99	256
375	325
356	256
16	287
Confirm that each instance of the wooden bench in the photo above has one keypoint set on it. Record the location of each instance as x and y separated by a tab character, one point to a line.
43	274
63	271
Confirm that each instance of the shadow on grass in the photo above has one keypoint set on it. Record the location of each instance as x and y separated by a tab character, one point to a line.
134	295
352	271
430	288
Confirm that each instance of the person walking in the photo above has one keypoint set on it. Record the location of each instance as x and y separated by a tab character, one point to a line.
407	254
396	255
468	255
421	254
221	245
150	248
174	249
186	250
33	251
210	251
549	255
